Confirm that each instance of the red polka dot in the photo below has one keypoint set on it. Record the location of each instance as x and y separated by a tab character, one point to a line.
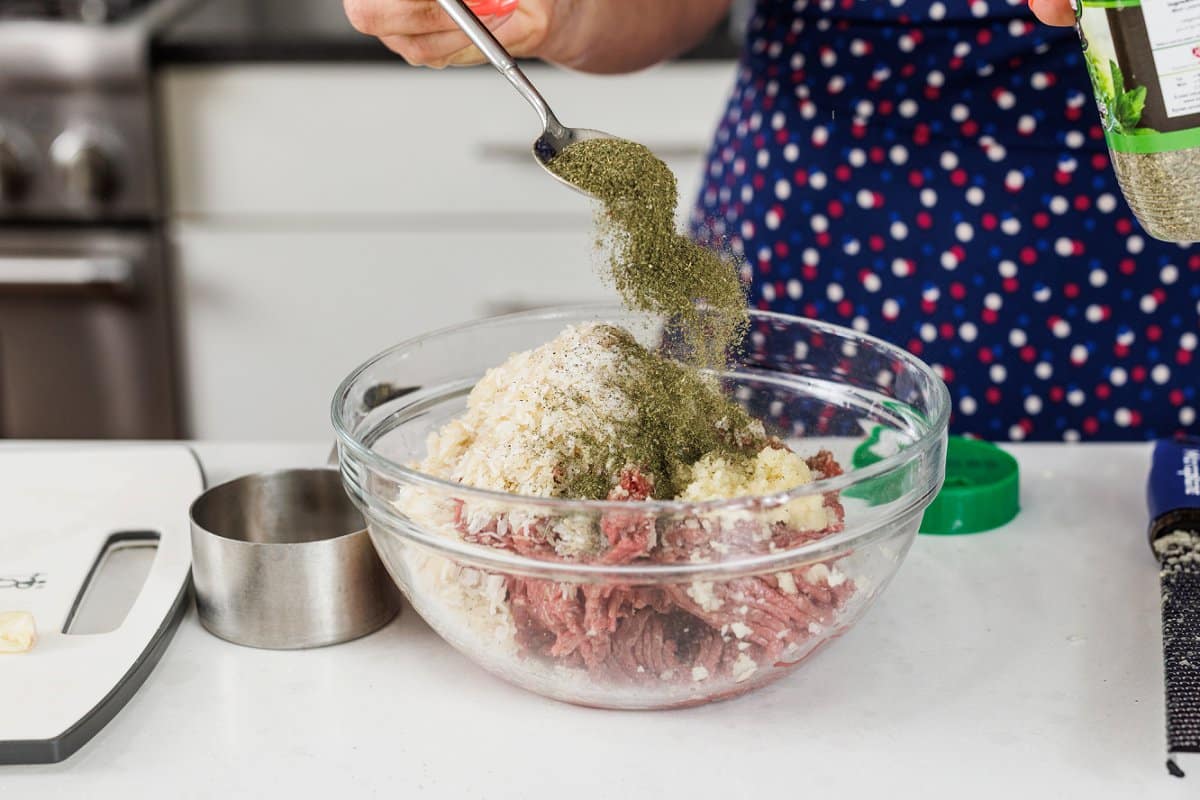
992	395
1091	426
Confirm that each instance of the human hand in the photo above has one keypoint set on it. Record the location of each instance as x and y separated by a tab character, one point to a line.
421	32
1054	12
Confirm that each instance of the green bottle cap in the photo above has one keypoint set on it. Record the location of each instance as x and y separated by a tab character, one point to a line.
981	491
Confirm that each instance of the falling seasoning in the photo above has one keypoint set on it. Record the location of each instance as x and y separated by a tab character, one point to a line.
654	267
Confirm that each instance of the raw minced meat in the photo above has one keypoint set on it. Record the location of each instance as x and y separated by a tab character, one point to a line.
518	435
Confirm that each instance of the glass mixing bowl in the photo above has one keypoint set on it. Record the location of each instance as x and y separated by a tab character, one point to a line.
737	592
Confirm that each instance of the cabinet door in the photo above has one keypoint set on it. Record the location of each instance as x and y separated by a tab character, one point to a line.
273	320
385	141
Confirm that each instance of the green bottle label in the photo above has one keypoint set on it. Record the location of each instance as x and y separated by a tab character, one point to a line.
1144	60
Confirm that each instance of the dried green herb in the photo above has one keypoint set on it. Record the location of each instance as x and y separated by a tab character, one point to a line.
679	414
653	266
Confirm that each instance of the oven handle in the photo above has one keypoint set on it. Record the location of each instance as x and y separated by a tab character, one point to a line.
66	274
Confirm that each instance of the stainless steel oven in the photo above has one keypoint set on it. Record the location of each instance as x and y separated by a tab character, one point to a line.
86	345
85	335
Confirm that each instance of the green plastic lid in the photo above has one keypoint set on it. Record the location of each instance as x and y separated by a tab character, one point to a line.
981	491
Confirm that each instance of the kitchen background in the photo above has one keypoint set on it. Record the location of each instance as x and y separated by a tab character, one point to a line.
211	210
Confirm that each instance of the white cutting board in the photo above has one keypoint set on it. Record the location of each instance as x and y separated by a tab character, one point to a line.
59	506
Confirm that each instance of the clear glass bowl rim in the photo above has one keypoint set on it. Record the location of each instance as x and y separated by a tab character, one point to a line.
350	444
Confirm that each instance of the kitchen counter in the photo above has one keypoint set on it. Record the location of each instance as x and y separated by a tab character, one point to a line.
1021	662
218	31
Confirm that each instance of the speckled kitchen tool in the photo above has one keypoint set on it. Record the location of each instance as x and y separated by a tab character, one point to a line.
1173	496
282	560
555	136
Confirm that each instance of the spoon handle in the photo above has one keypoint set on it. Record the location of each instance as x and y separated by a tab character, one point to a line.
482	38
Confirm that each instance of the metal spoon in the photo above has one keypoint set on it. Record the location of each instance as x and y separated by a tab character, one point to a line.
555	136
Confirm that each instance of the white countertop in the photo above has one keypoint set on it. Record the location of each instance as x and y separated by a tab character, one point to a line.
1021	662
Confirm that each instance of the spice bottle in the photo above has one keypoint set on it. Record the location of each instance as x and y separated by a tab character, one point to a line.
1143	57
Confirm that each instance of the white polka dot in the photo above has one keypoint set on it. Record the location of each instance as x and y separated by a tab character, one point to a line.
1059	205
1148	304
993	301
862	325
1006	99
1135	244
762	159
1122	417
937	11
865	198
772	219
818	180
1076	397
949	260
1017	338
1008	269
1105	203
967	405
1010	226
1097	277
835	292
1094	313
890	308
856	157
768	292
1042	294
935	78
996	153
1188	341
1074	140
1127	338
964	232
795	289
1014	180
975	196
1118	376
929	197
949	160
820	223
1187	415
1061	328
747	193
1063	246
1039	81
958	113
872	283
1043	370
1033	404
810	257
1016	433
907	108
898	154
997	373
791	151
1070	435
783	189
852	247
968	331
1168	274
979	8
931	294
1160	374
1026	124
928	332
899	230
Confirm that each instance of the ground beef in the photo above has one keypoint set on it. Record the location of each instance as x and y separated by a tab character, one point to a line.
673	632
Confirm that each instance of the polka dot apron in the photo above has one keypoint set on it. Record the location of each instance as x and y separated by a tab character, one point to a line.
934	173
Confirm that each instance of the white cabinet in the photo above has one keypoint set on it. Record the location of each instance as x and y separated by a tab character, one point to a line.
323	213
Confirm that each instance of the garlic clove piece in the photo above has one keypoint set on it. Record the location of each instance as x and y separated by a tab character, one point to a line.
18	633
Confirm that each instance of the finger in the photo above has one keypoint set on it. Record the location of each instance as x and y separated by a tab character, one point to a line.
519	38
1053	12
431	49
413	17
